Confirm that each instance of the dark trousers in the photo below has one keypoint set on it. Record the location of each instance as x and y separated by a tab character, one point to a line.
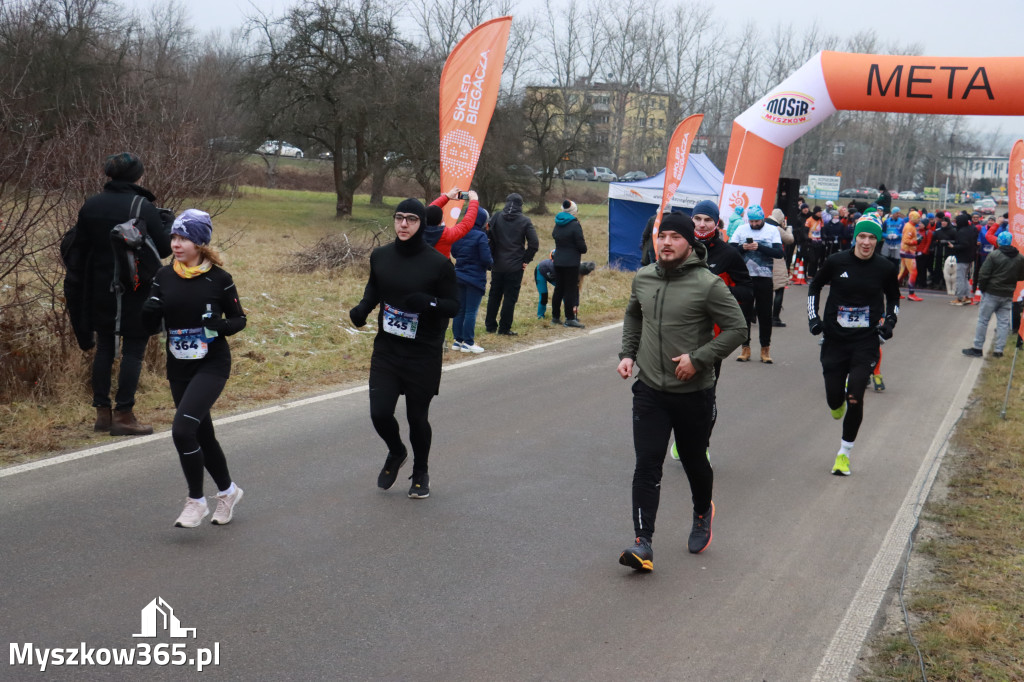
132	350
385	387
192	432
656	415
777	303
464	324
504	293
924	262
762	287
567	290
847	368
813	251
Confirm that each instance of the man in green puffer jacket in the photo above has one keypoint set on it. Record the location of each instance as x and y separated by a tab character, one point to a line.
669	334
997	280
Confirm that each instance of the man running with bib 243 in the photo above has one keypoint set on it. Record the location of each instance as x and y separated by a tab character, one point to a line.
862	306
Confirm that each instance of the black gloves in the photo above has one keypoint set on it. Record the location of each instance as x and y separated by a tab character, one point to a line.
419	302
358	315
885	328
216	324
153	306
815	325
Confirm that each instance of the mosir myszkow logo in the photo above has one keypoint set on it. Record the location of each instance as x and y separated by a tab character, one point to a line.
158	620
788	108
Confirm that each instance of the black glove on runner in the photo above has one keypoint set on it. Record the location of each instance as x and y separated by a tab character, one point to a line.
816	325
358	315
419	302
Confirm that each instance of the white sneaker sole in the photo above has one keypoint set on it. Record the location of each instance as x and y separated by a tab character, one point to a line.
231	513
181	524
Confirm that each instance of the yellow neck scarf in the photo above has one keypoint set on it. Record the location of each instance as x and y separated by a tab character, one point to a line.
188	272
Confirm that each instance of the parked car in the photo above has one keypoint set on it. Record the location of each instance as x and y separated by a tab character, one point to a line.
986	207
519	170
575	174
864	193
633	176
910	195
227	144
272	146
601	173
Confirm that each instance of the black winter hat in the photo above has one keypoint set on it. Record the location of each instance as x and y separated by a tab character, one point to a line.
962	220
435	216
414	206
124	166
681	223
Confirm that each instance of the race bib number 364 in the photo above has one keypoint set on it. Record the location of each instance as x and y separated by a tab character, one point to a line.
400	323
187	344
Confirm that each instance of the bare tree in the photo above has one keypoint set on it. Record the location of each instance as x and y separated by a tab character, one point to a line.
319	74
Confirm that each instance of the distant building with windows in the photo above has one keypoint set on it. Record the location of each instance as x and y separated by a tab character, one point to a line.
627	128
971	167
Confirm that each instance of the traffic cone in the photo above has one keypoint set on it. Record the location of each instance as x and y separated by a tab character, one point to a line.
798	278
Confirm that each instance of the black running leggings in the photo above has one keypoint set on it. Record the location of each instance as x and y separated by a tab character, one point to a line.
847	369
193	435
384	391
656	415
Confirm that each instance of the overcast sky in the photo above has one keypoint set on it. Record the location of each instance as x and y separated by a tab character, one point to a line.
955	28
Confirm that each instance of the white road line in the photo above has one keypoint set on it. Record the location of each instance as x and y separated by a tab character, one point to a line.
130	442
842	651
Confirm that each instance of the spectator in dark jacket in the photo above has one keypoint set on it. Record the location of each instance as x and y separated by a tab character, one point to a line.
569	247
884	200
99	310
965	249
997	280
473	259
513	244
941	249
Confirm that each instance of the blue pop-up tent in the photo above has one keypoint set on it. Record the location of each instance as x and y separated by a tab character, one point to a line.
631	204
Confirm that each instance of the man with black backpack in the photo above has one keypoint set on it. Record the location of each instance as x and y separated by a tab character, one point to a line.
110	268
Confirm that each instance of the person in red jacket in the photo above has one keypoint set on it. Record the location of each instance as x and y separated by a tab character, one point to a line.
441	237
924	250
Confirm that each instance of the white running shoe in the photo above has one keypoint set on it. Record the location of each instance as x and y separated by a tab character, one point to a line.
193	513
457	345
226	507
471	348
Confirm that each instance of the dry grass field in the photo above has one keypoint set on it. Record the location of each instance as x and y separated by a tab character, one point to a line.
299	339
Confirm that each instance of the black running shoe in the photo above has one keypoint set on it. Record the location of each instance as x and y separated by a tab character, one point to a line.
420	488
639	556
700	535
389	474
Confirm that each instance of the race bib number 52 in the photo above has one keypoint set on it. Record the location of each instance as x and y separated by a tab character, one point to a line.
850	317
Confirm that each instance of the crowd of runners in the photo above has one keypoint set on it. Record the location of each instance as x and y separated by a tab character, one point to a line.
705	284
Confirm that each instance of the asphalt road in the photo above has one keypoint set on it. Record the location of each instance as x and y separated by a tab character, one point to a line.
509	570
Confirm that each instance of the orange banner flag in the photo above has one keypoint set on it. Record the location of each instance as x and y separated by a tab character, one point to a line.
1015	190
469	90
675	164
